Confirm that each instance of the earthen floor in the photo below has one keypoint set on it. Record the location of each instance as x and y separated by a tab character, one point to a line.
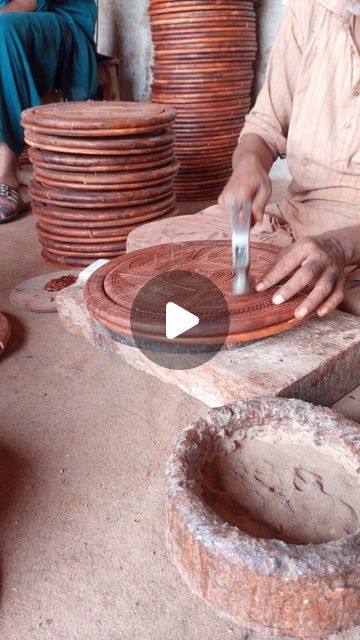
84	441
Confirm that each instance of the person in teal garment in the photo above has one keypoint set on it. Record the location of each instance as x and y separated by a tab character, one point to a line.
44	45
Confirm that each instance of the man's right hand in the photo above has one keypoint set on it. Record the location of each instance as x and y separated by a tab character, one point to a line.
249	181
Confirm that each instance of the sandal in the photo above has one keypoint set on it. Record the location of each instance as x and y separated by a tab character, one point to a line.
11	203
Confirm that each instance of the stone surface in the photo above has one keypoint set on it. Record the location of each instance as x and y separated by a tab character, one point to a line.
260	581
318	361
32	294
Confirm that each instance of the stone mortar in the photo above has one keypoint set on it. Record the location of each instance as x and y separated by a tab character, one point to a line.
263	582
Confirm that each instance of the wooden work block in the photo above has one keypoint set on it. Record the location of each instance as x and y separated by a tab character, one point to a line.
318	361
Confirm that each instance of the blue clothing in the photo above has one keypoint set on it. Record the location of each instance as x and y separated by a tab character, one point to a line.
51	48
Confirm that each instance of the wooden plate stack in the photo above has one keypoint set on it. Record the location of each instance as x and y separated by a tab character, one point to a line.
100	170
203	66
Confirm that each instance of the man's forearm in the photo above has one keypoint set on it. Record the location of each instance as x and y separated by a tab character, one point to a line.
349	240
20	6
254	145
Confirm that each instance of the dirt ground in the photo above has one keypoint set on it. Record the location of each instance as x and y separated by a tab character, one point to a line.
84	441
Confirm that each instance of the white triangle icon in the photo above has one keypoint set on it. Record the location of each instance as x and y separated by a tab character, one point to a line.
178	320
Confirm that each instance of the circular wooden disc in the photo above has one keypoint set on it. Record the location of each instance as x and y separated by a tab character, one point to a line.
201	112
61	260
231	58
98	229
204	44
68	216
201	66
220	144
98	146
200	71
241	80
87	199
80	248
85	234
198	94
188	160
5	332
190	38
110	291
201	139
181	84
98	164
241	29
208	10
195	49
179	15
97	118
73	234
204	176
217	126
215	105
76	254
32	295
99	182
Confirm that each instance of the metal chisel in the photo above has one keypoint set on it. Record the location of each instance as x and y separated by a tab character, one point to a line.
240	228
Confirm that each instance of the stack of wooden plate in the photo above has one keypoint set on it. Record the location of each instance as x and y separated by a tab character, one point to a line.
100	170
203	66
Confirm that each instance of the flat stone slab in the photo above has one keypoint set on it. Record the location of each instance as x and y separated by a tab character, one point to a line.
318	361
31	295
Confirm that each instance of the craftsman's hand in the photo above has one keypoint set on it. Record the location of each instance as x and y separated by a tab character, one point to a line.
318	261
249	181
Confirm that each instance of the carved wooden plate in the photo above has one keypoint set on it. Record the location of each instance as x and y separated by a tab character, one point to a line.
5	332
71	216
98	164
97	118
97	146
84	234
111	181
79	248
72	261
87	199
110	293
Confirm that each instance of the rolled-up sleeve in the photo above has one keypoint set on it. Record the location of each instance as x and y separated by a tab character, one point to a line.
270	116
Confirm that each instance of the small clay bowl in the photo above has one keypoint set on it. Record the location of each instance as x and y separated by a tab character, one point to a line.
263	515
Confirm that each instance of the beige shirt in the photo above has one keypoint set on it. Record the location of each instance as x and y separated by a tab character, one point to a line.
309	109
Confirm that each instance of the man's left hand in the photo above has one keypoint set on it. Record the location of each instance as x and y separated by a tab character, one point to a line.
318	261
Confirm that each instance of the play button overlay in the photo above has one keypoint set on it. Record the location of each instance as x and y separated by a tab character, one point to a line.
179	319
